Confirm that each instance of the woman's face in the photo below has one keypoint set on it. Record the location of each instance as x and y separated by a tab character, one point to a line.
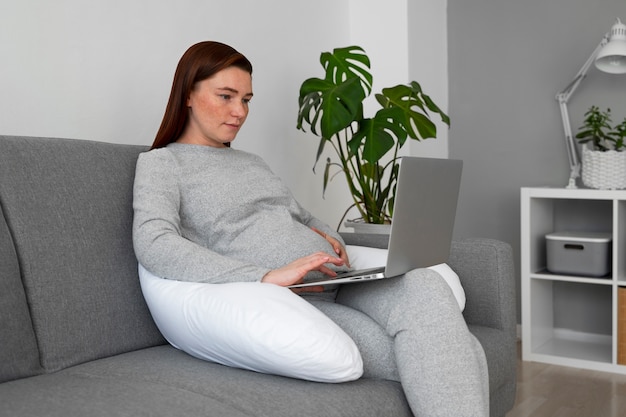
218	106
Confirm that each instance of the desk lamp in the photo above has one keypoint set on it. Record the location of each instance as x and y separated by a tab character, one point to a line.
610	57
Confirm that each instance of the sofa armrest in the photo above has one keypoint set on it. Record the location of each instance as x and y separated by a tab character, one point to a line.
485	268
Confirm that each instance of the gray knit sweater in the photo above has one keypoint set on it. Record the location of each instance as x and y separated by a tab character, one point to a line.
217	215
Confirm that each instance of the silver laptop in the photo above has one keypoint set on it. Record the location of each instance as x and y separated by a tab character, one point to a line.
423	220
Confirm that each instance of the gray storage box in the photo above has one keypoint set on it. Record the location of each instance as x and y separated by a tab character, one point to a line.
579	253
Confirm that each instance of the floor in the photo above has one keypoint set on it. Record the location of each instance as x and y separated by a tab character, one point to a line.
556	391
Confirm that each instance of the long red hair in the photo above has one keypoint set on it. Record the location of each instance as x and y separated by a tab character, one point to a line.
199	62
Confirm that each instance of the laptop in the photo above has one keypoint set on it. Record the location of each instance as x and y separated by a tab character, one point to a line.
423	220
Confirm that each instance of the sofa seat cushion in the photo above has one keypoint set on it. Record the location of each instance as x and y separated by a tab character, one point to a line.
169	382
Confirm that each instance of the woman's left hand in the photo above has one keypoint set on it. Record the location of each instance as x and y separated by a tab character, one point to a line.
337	246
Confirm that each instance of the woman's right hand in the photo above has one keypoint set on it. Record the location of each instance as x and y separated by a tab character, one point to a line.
295	271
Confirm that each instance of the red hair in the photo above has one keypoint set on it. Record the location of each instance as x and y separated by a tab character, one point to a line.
199	62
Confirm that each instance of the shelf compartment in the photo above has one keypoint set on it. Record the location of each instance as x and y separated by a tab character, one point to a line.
571	319
621	325
549	215
575	345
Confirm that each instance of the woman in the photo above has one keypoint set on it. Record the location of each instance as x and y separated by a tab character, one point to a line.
209	214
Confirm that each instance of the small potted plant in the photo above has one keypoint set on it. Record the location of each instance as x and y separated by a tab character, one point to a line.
604	165
619	135
366	147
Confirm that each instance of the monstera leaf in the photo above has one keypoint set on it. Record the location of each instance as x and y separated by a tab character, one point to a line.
378	135
410	98
330	105
346	63
329	108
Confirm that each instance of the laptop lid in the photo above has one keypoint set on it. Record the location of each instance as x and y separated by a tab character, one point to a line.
423	220
424	213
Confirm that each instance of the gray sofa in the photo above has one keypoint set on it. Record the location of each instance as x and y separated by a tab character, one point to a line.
76	338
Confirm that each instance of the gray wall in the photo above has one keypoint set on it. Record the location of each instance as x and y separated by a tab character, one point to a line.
507	61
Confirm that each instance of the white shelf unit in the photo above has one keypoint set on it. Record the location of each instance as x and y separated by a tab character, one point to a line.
571	320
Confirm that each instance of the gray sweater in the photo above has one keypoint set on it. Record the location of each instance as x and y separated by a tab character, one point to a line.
217	215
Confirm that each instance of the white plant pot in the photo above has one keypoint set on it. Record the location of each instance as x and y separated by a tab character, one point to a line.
369	228
604	170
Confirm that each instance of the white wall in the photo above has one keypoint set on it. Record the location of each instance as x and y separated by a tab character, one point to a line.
102	69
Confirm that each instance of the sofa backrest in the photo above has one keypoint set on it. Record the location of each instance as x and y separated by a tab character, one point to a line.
68	207
19	356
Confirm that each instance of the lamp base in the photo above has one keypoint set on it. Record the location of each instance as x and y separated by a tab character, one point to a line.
572	183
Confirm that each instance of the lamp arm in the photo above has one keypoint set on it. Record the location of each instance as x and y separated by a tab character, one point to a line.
572	151
563	97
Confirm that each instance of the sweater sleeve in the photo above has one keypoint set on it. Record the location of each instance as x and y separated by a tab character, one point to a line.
312	221
158	242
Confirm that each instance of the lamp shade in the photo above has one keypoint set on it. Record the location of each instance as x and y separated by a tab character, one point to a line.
612	57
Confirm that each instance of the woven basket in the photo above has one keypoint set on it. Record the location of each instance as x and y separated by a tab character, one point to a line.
604	170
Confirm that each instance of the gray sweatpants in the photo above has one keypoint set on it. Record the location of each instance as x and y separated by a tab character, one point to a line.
410	329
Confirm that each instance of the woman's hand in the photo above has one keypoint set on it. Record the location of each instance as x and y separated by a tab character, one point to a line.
295	271
337	247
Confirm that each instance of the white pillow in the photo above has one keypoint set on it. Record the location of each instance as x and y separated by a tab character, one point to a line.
251	325
365	257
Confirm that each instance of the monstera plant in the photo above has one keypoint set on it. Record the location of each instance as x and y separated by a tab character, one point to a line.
367	148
